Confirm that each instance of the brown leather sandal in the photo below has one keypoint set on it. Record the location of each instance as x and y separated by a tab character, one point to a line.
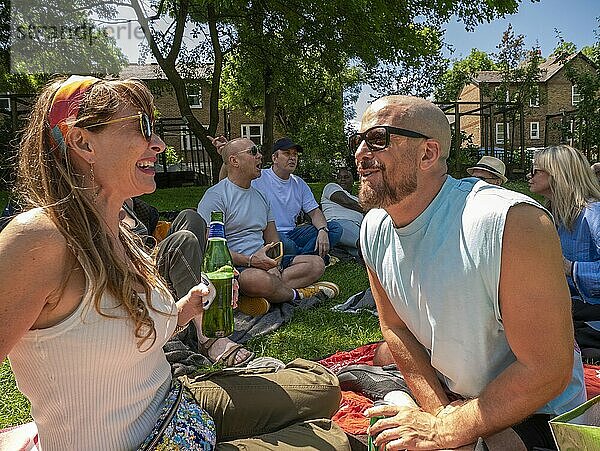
228	357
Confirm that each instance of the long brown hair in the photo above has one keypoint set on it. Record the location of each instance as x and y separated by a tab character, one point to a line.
47	179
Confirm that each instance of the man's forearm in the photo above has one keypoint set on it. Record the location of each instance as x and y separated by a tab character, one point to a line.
510	398
413	361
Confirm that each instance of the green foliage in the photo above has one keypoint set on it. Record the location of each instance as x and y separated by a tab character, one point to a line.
519	68
59	39
467	155
586	128
172	156
461	73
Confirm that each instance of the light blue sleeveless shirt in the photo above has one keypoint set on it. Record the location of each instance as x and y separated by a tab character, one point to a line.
441	273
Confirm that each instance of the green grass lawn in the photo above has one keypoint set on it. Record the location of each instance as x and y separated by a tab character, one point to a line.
311	334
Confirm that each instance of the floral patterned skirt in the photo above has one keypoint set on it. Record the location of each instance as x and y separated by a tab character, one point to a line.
182	424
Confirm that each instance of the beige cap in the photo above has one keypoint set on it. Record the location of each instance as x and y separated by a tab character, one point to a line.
491	164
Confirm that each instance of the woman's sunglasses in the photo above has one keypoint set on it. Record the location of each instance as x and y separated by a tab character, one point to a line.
378	138
146	125
533	171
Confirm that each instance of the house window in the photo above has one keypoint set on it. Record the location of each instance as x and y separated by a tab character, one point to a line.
253	132
500	133
194	95
4	103
575	96
534	130
534	101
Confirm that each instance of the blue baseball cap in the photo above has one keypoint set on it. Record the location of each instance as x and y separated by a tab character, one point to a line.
285	144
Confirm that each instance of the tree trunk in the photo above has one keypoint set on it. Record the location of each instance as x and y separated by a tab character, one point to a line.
269	113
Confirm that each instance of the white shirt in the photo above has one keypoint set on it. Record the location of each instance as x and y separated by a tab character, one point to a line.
333	210
287	197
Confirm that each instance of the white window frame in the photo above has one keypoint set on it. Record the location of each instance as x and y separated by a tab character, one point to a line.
245	133
535	100
534	130
575	96
194	96
504	135
5	103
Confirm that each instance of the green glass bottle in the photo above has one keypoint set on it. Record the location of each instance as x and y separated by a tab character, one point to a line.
217	320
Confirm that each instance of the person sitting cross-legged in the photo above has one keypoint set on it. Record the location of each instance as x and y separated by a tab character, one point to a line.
250	232
290	197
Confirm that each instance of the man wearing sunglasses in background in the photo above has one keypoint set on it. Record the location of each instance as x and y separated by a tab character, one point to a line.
463	314
250	231
290	196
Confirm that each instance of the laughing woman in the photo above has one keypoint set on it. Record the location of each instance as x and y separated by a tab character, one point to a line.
85	314
563	176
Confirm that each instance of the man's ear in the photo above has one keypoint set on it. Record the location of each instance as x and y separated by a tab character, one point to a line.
430	154
78	140
232	161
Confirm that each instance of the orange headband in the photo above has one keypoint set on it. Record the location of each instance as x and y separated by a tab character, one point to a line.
65	106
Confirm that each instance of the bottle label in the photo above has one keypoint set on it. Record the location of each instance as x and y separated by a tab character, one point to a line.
216	230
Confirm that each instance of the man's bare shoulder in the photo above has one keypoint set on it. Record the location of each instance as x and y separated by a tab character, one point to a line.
529	218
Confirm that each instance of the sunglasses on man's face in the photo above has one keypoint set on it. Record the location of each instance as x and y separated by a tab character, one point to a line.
146	125
378	138
254	150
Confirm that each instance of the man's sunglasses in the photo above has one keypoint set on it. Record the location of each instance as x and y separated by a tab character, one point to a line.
254	150
146	125
378	138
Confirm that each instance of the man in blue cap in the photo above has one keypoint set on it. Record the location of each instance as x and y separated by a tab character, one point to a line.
289	196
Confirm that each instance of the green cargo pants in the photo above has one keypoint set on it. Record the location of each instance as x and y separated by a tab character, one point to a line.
263	409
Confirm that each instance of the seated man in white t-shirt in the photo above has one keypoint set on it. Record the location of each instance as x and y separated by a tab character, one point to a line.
250	232
289	196
342	207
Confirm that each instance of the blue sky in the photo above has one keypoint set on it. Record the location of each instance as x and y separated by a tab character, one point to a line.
575	19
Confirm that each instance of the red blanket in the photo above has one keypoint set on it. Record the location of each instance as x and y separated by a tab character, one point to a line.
350	415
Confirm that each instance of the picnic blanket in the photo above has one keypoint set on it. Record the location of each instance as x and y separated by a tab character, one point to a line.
360	302
352	406
181	350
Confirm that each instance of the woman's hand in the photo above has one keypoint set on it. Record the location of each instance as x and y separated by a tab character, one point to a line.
195	301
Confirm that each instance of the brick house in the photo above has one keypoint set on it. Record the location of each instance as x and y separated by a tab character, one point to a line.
545	117
171	127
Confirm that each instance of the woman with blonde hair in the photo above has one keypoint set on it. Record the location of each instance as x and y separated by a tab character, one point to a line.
85	313
562	175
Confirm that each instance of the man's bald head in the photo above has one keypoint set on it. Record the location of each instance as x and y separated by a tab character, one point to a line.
234	146
410	113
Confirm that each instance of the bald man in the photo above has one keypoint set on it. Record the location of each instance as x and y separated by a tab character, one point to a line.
446	261
250	232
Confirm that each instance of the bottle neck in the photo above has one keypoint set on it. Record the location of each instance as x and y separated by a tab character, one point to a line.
216	230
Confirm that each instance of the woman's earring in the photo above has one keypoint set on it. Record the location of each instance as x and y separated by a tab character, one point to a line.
93	183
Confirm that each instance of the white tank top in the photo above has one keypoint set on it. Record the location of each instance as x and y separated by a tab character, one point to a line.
89	385
441	273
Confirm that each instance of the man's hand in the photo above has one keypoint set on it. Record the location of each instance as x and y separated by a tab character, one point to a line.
404	428
219	142
322	243
261	260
